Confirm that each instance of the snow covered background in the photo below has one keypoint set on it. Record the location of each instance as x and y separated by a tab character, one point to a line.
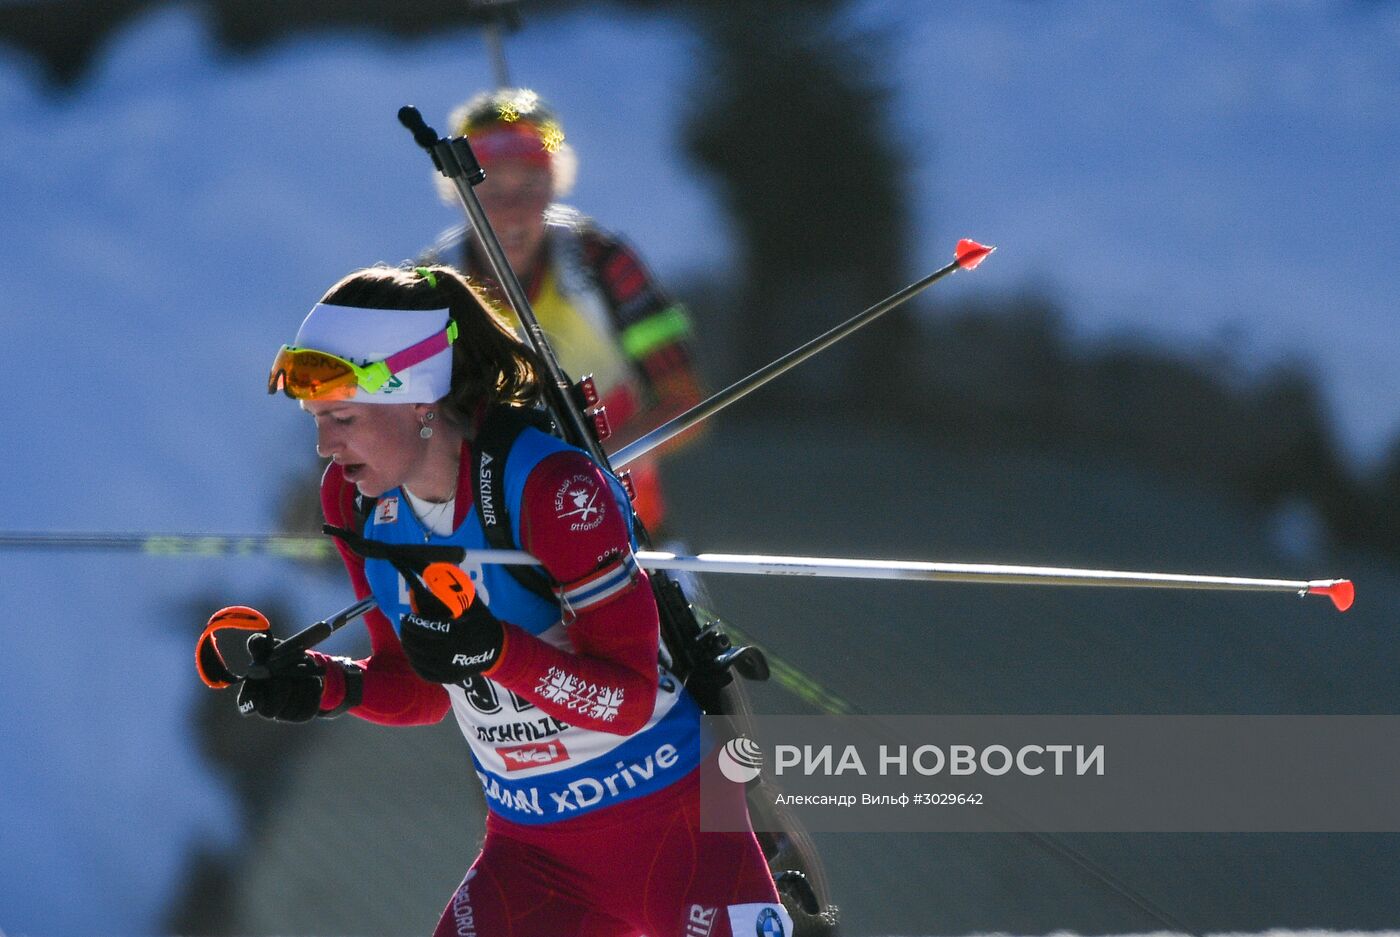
1218	173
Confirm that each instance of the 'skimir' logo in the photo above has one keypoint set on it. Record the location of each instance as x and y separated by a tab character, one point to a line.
740	760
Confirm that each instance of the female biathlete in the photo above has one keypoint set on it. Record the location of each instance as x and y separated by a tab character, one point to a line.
587	750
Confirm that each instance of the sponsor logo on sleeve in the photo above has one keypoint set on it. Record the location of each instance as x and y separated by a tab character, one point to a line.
580	503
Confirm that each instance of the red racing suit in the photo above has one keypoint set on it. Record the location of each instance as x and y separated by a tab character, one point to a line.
639	866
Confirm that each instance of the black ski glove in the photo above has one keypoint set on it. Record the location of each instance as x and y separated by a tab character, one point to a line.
291	692
447	643
449	636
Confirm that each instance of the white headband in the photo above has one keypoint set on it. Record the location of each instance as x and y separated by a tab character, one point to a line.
367	335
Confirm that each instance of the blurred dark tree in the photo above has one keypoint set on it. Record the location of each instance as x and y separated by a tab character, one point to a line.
1291	451
65	36
793	125
1004	373
1382	519
999	369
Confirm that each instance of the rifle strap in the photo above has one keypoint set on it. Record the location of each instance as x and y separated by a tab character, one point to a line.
498	432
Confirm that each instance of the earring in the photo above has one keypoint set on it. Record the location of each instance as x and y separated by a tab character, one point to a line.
427	431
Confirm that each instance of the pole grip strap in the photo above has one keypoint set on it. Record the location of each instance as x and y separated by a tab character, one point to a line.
207	658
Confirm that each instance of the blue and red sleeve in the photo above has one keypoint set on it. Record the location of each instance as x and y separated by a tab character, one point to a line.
570	521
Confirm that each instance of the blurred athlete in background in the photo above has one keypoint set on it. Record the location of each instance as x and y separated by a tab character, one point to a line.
601	309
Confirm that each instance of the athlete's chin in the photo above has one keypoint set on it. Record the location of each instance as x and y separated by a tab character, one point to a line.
365	480
370	487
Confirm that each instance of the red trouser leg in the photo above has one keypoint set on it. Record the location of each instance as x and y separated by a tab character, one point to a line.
698	882
640	868
512	890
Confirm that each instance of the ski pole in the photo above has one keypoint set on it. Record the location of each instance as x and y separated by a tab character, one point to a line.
498	17
1341	591
446	580
290	546
312	635
216	673
966	256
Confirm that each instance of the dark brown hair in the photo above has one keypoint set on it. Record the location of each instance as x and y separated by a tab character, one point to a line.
489	362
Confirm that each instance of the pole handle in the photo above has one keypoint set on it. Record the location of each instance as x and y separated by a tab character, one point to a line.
412	118
453	158
309	637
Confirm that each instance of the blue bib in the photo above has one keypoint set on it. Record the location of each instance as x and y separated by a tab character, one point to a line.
536	768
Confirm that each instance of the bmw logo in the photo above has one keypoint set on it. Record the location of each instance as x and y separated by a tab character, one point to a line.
769	924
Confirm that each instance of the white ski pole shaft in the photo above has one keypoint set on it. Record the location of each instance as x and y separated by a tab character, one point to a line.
1340	591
